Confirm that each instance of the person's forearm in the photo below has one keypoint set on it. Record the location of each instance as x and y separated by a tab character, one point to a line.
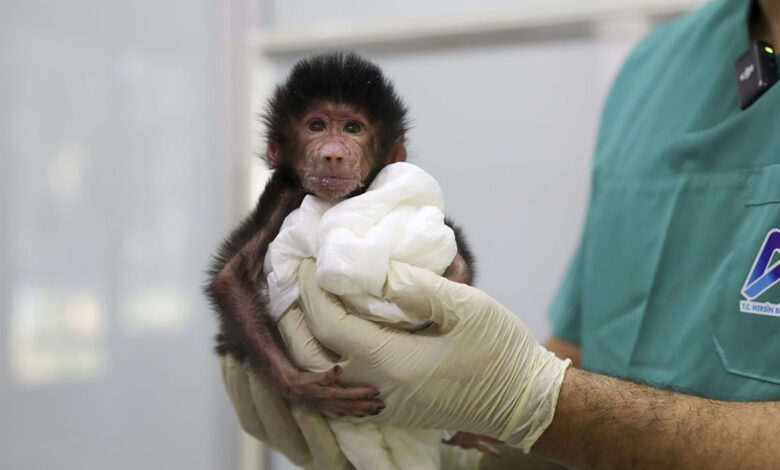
606	423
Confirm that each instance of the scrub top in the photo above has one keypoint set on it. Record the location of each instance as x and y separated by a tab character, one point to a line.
675	281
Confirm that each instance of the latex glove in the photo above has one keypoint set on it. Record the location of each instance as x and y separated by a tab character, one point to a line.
297	431
480	370
308	354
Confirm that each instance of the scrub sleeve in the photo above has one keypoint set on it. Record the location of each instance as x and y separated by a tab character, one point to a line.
685	196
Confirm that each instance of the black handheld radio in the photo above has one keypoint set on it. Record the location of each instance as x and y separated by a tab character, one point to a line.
756	71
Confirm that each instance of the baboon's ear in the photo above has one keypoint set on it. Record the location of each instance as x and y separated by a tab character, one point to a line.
398	152
272	154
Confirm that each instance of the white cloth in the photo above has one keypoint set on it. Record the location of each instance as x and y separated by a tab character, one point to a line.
399	217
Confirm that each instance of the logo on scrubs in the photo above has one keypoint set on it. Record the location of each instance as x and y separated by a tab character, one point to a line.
763	276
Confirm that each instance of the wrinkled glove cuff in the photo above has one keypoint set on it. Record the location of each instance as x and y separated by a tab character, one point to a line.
538	402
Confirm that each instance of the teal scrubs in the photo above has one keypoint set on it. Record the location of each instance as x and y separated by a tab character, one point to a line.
686	194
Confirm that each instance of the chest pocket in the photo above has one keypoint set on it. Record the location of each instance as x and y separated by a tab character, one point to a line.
747	334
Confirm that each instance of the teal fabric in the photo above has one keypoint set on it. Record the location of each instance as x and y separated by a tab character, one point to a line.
686	187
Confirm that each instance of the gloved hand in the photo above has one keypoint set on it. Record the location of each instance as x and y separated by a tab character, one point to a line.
478	369
297	431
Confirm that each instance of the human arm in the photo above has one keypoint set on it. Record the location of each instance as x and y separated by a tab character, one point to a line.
676	430
608	416
607	423
596	421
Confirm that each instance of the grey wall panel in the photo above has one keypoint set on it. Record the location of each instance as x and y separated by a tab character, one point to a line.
115	168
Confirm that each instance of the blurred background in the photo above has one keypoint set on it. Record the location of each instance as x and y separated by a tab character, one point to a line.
129	133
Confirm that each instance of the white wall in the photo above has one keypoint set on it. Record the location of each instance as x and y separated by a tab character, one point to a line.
116	162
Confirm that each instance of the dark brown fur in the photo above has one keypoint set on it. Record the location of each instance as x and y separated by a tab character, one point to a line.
259	221
244	326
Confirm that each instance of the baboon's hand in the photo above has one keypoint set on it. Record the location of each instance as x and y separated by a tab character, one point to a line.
467	440
320	390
